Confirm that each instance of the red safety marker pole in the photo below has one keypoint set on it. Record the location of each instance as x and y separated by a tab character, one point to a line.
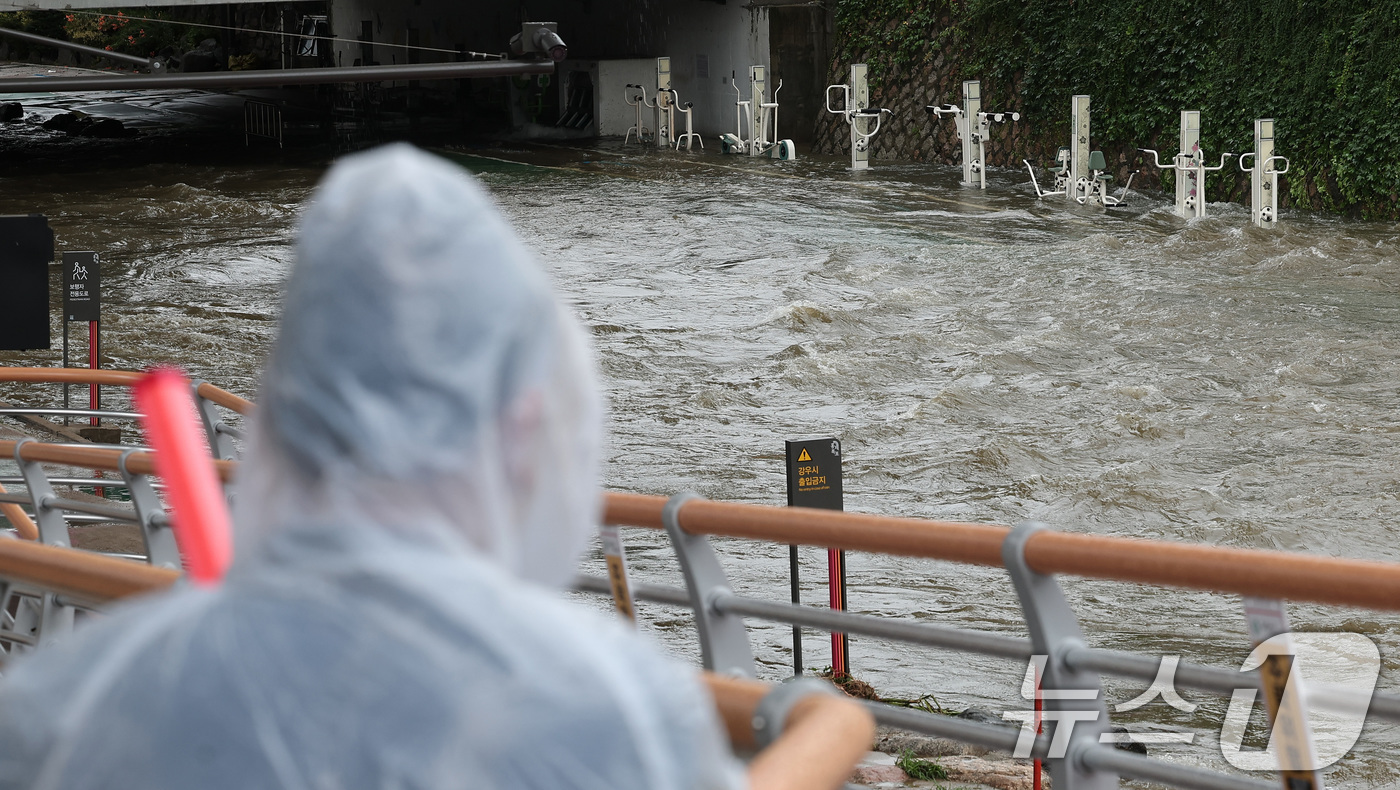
199	513
94	399
94	395
838	643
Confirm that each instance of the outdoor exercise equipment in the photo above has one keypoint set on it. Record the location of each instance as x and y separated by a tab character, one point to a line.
973	136
636	95
1079	172
1190	166
664	105
687	110
857	112
1263	192
755	118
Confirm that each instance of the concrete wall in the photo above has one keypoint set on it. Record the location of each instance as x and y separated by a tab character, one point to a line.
706	40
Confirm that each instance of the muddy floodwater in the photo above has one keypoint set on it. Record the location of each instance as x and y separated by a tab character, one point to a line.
982	356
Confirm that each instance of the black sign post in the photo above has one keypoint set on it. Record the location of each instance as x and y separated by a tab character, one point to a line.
814	480
26	250
82	301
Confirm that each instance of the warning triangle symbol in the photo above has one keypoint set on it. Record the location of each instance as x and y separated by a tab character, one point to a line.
804	456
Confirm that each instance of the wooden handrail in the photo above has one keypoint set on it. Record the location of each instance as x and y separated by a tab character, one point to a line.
1270	574
117	378
105	458
20	520
93	578
824	739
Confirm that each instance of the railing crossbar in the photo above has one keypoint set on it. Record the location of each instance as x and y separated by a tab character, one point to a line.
91	509
1110	662
927	634
61	412
988	736
1136	766
655	593
104	482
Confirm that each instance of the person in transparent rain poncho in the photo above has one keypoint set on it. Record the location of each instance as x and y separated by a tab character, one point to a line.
419	483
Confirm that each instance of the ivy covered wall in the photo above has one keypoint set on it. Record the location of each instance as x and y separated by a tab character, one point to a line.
1327	71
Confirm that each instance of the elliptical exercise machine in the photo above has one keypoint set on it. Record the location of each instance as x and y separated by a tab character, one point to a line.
754	118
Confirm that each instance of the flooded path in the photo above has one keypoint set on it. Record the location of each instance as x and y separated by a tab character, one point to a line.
983	357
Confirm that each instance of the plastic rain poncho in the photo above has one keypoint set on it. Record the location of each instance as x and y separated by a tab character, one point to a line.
420	481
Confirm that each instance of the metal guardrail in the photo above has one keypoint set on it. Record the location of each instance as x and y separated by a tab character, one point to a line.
206	396
262	119
1032	554
33	609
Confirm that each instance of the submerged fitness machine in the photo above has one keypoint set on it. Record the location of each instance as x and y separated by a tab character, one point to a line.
974	141
758	112
1263	192
1079	172
1190	166
857	112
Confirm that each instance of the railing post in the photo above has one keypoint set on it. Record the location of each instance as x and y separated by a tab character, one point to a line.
161	550
1072	699
53	527
724	642
47	617
220	443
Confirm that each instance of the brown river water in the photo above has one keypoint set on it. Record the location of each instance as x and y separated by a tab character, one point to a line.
983	357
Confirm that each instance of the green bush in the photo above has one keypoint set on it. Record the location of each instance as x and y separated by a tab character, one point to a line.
156	29
1328	72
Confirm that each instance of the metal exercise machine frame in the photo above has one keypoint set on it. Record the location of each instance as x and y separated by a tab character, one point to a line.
751	138
1263	175
639	100
857	112
974	141
664	104
1080	172
1190	166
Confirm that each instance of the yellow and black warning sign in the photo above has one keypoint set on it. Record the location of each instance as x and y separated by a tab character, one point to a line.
814	474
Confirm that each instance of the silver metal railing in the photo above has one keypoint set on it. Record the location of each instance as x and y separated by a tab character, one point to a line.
30	615
262	119
1089	761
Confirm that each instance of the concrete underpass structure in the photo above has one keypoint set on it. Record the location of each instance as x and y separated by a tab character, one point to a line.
611	43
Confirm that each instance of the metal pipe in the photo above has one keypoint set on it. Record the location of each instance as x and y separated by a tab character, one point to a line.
990	736
119	57
111	415
1131	665
91	508
1135	766
867	625
74	519
827	620
224	80
656	593
107	482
